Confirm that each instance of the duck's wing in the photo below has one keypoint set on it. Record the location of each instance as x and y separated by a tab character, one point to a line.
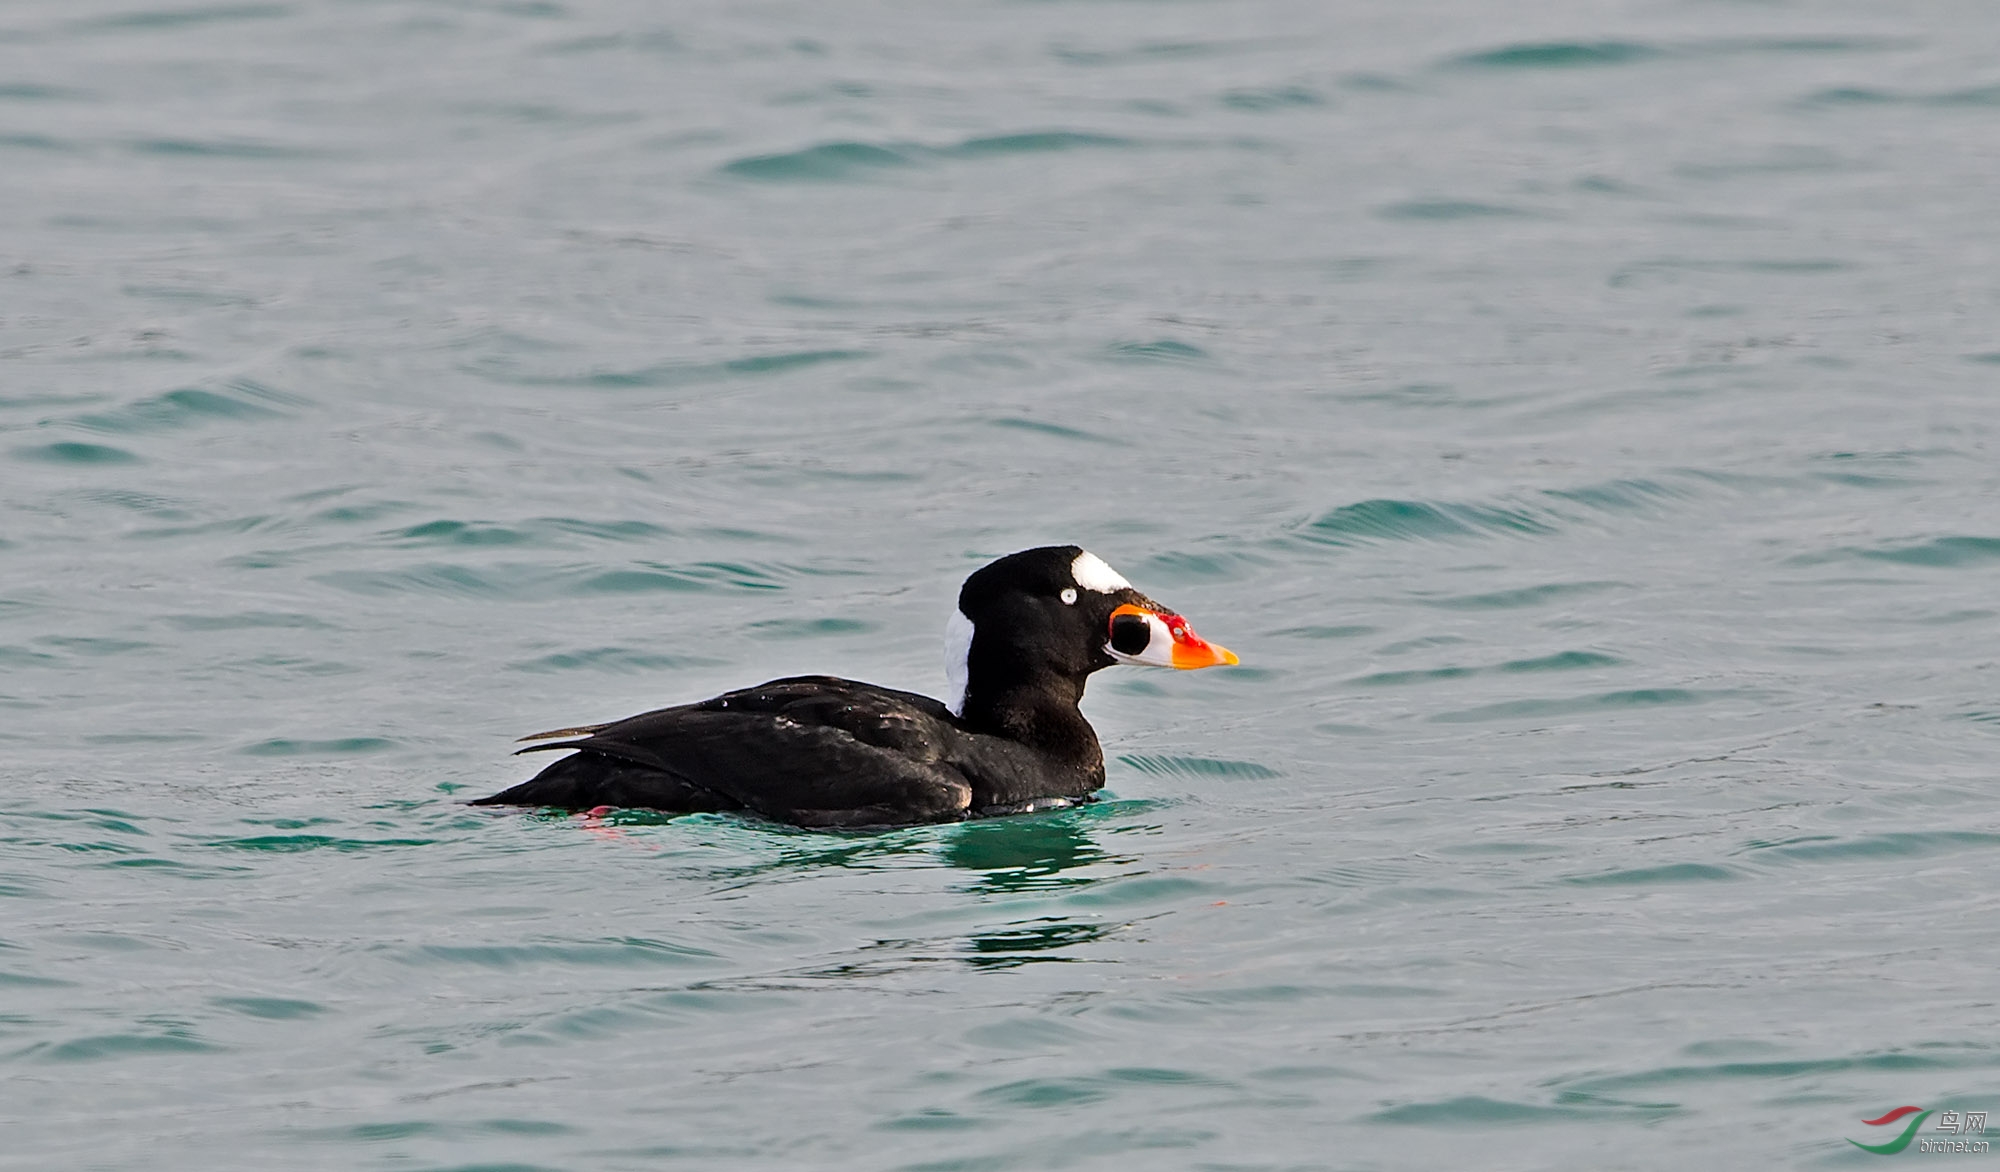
581	730
814	751
826	700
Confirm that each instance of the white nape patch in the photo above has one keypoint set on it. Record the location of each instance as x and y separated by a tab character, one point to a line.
1091	573
957	657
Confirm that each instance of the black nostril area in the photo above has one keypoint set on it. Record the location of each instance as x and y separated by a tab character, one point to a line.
1130	633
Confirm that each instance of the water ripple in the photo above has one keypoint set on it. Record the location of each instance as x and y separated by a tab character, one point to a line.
73	452
1578	705
1971	96
1558	55
1175	766
1560	661
239	401
622	660
846	161
528	581
671	374
1398	520
177	18
1894	845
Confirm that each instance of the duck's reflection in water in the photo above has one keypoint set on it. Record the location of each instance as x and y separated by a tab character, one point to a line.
1023	855
1027	852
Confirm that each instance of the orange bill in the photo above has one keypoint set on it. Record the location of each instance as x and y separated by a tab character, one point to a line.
1163	639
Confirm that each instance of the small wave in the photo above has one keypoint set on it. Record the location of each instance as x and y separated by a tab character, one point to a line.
434	579
1261	100
520	581
1197	767
191	295
1415	676
1181	566
1577	705
1043	427
86	645
34	142
1163	350
1075	1090
1780	161
223	149
847	161
1448	209
283	747
1561	55
1562	661
1889	845
239	401
102	1047
822	163
185	17
1534	515
1802	45
1395	520
247	620
672	374
808	628
1852	96
136	738
72	452
611	659
617	952
1948	552
1899	1063
30	92
296	843
1033	143
33	399
651	42
774	363
610	530
1656	876
269	1008
1622	495
1983	95
16	656
696	577
1157	50
1558	55
1347	631
1525	596
1479	1111
461	533
199	529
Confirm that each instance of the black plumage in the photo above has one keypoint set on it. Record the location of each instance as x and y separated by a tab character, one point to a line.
827	752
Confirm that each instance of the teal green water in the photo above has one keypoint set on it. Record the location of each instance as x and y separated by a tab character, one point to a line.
1580	417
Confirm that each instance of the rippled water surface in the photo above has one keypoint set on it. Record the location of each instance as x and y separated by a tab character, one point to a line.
1581	417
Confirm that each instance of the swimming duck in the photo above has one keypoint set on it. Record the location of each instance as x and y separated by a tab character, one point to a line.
820	751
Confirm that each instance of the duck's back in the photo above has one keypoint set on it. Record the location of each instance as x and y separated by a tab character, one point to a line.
811	750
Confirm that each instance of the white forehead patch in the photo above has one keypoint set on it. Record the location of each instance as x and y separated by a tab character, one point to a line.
957	653
1091	573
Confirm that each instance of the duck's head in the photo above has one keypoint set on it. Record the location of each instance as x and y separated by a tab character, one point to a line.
1058	612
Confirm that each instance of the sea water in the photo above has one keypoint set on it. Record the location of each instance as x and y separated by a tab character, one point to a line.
1581	417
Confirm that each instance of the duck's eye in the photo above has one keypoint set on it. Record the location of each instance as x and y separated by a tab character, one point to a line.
1069	596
